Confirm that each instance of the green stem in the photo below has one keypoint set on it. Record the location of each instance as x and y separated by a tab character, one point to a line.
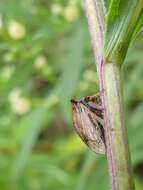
118	155
115	132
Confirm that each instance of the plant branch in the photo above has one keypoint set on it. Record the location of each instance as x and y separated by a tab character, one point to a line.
118	156
95	13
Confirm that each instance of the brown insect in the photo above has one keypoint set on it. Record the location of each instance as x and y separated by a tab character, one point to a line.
88	122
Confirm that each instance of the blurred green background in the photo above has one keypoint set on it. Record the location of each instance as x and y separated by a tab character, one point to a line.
46	59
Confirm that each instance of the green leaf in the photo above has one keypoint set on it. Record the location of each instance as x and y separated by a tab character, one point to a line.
122	19
33	123
107	3
72	69
88	163
136	131
19	77
95	167
139	25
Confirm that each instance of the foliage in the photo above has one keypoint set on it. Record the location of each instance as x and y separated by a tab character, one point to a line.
122	20
46	59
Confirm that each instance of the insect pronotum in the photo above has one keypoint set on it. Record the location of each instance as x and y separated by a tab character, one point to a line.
88	122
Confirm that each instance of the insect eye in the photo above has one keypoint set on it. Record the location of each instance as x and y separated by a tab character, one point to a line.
87	99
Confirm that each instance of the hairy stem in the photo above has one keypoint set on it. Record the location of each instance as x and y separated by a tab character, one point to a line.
116	134
118	155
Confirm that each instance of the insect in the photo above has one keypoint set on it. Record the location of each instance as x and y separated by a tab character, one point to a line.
88	122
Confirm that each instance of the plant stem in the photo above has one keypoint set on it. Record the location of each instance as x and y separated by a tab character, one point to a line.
118	155
115	132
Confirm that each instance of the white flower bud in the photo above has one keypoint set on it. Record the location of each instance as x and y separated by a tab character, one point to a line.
71	13
56	9
7	72
40	62
16	30
21	105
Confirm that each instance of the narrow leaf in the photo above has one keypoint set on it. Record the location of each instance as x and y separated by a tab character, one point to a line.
122	19
72	69
33	123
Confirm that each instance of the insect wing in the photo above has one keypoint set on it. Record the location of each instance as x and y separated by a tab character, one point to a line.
88	126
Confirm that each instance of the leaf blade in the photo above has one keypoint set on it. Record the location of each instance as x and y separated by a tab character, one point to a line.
122	19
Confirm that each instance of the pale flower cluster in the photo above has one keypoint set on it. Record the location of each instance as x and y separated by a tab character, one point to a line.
56	9
40	62
19	104
7	72
71	12
16	30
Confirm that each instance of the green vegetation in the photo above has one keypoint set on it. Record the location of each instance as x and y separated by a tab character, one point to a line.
46	58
